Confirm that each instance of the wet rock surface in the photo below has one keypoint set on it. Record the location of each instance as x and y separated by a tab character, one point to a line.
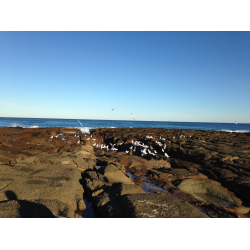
124	173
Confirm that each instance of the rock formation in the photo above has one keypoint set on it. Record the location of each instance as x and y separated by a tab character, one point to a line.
124	172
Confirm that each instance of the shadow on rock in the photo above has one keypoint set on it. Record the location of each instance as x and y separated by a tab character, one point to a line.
28	209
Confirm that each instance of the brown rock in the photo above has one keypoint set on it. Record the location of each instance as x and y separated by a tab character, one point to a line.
114	175
205	189
150	206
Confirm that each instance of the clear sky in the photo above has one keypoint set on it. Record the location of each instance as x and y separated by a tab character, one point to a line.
160	76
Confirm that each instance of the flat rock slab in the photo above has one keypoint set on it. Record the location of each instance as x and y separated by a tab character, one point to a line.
54	178
59	182
151	206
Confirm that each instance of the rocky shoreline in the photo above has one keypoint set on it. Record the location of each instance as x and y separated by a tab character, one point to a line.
124	173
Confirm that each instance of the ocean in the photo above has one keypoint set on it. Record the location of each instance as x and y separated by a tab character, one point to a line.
85	125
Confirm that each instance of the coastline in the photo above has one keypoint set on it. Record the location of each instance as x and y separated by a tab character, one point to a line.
206	175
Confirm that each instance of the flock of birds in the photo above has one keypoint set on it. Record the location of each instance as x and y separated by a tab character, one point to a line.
137	146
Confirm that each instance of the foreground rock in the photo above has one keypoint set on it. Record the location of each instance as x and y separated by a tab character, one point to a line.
150	206
126	200
46	184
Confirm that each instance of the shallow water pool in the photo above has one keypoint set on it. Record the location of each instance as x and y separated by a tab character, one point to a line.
147	187
131	175
88	213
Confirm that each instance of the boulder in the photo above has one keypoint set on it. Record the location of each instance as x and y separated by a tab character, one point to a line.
159	163
207	190
114	175
92	185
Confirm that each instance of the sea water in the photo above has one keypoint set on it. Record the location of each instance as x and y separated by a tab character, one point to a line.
85	125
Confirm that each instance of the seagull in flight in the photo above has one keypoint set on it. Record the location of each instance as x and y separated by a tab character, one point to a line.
113	109
133	116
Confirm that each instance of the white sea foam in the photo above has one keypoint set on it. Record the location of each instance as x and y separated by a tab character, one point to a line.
20	125
237	131
14	125
85	129
29	126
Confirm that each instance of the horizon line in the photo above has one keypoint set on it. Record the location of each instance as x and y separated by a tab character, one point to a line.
113	120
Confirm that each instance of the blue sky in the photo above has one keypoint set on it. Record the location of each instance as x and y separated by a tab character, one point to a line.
160	76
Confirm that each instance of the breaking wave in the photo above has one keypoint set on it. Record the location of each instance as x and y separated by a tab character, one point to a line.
14	125
237	131
84	129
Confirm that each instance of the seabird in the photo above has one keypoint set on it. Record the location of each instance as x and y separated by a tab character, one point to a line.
133	116
113	109
80	123
166	155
